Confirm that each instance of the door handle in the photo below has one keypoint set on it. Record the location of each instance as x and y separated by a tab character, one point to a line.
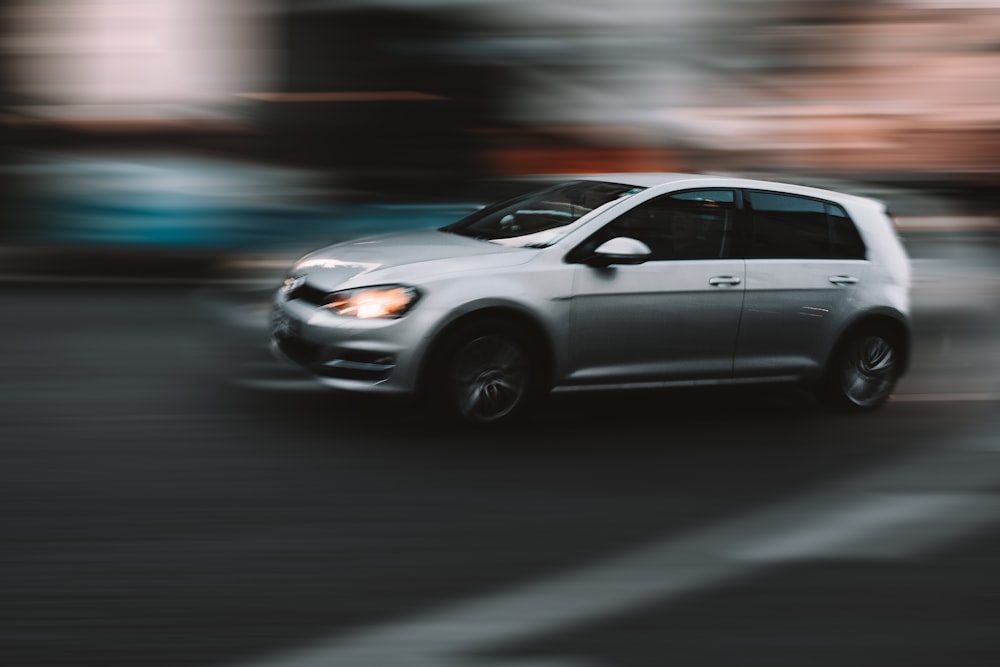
724	281
843	281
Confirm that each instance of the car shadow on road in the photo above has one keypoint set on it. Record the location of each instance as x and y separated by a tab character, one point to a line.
570	414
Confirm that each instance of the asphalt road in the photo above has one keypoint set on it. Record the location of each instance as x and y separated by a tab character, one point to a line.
158	508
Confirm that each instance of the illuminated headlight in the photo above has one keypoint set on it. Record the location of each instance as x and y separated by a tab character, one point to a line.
373	302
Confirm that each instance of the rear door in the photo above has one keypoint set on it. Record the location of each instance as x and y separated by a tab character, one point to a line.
805	263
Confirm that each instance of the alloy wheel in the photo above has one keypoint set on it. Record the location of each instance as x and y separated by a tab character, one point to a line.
489	378
869	371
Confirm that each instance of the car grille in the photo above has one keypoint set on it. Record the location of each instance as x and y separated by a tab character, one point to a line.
300	351
358	365
309	294
370	366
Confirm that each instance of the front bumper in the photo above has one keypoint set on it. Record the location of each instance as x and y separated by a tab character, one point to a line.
377	356
359	365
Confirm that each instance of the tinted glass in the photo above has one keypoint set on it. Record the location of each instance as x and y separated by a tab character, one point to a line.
686	225
783	226
845	242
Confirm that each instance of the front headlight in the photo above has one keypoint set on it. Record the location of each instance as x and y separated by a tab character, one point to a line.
372	302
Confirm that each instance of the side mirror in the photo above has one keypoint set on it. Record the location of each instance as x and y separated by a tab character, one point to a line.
620	250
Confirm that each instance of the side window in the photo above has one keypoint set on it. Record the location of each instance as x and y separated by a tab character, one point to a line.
684	225
791	227
845	242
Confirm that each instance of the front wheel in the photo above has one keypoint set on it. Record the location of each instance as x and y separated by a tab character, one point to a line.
486	375
864	370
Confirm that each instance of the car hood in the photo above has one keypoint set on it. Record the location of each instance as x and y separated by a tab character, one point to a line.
407	257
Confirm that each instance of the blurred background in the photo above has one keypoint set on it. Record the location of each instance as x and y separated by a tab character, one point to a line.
184	125
171	495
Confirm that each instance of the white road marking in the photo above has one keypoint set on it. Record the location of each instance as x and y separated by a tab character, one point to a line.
851	519
881	526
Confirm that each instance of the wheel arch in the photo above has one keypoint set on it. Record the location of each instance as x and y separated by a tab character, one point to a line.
536	333
888	319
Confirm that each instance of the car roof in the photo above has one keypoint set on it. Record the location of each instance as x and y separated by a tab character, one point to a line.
646	180
657	179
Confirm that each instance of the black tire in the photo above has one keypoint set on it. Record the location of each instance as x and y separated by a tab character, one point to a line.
485	373
864	369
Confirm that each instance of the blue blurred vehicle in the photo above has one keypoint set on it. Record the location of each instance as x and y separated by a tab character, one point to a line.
183	204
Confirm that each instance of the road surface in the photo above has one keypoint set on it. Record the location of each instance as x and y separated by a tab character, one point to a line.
161	507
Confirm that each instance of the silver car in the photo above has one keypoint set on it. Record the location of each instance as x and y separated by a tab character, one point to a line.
620	280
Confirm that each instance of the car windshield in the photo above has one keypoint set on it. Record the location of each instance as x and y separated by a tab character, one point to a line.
539	219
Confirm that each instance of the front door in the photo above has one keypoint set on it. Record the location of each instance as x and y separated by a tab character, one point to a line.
674	317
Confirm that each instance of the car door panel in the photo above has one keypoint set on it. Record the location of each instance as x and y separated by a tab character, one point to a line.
791	309
805	264
659	321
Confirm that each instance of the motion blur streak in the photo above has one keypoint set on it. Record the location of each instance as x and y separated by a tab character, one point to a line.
835	523
172	496
132	60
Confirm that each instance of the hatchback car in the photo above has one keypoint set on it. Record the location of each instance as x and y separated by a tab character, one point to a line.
614	281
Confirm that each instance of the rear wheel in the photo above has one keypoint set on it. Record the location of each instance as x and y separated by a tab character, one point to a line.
865	369
486	374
